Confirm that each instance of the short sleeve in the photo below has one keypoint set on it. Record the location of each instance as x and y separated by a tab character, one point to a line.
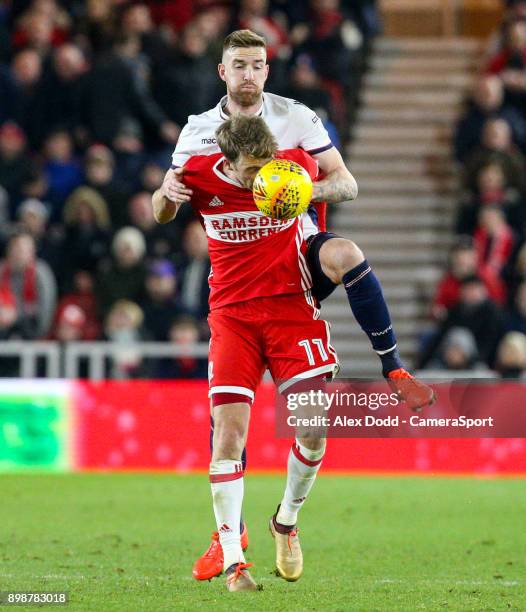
312	135
186	146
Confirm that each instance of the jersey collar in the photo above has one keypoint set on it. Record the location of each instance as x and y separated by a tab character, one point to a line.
220	174
223	114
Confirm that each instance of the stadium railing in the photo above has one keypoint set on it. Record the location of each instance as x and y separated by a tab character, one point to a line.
56	360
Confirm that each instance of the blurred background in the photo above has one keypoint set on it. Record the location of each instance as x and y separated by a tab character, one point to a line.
425	99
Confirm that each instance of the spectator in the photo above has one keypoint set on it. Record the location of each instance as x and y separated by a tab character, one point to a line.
8	314
37	31
63	90
15	166
32	286
493	241
26	101
129	152
83	296
463	265
458	352
123	327
62	169
33	218
152	176
510	64
160	239
515	10
511	356
112	95
306	86
487	102
87	231
213	24
35	185
497	146
332	40
516	318
254	15
194	270
160	305
124	276
492	189
191	70
99	168
184	334
517	273
96	26
137	21
475	312
69	325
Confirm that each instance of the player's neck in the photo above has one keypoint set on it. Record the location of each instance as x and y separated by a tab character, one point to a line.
231	107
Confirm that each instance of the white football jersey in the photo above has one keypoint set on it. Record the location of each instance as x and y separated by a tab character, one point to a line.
293	125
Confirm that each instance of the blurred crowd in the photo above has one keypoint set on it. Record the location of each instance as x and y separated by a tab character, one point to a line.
93	95
479	307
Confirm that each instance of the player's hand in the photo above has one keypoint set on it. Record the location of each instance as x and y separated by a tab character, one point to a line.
174	189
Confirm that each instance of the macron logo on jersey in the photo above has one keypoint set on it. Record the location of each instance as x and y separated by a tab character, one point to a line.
215	201
243	226
208	141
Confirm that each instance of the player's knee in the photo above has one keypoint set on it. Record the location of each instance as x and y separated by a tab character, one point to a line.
338	256
314	443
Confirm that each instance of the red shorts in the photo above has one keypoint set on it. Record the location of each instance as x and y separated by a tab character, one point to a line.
280	333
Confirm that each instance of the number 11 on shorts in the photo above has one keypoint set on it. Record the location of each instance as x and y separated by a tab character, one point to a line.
306	344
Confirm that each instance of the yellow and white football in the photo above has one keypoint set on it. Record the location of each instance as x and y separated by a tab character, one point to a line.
282	189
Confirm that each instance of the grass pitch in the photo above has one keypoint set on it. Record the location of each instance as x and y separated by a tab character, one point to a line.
127	542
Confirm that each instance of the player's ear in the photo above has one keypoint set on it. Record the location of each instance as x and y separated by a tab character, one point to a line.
221	71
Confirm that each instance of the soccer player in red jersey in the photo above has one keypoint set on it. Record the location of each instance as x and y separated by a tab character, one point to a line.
331	259
262	315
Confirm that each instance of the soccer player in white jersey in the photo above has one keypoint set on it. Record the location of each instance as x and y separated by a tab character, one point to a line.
332	260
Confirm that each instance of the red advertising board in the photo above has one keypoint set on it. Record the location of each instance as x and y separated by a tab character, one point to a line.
165	426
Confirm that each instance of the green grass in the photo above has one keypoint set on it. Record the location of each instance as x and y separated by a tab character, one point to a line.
127	542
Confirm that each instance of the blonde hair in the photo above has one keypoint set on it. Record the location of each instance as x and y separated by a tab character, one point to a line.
131	236
131	309
243	39
244	135
515	341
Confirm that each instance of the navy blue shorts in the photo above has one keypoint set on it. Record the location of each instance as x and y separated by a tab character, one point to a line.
322	286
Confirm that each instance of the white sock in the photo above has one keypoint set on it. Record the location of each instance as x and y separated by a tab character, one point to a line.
226	481
302	467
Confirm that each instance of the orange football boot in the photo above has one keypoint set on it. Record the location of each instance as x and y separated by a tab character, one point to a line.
414	393
210	564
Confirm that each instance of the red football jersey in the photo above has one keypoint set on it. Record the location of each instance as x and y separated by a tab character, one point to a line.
252	255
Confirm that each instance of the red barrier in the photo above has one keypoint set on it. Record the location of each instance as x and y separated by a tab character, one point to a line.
165	426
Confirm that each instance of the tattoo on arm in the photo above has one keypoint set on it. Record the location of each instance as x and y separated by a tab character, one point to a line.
336	187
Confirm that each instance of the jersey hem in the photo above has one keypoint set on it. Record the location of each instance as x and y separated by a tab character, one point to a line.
332	368
320	150
231	389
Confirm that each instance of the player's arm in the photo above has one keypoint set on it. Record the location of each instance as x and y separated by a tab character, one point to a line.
339	185
167	200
